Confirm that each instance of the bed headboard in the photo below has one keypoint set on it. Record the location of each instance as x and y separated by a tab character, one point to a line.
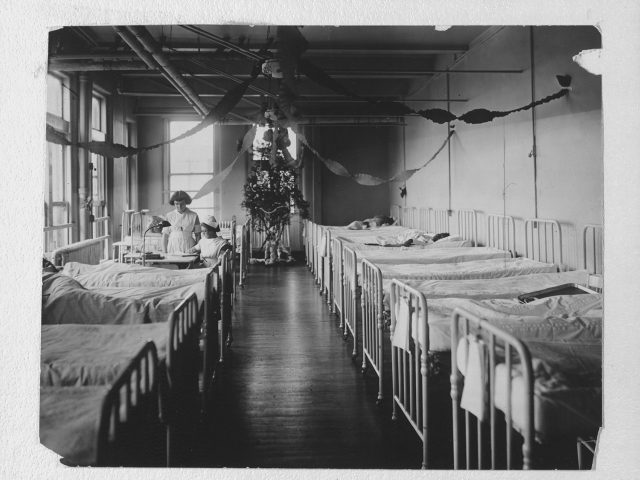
395	213
439	220
423	219
468	225
593	255
543	240
91	252
411	219
501	232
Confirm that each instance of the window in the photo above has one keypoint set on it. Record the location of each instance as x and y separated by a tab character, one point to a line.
191	164
258	142
98	165
57	177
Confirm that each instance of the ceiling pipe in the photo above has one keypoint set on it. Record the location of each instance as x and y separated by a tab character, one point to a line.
131	40
172	74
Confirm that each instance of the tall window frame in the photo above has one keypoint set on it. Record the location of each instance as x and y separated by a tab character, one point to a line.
99	209
58	225
191	163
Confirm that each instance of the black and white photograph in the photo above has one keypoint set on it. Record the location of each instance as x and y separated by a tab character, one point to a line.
318	245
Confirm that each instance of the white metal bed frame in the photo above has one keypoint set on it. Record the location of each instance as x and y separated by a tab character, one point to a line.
399	288
371	296
410	368
593	251
543	240
494	338
468	225
501	232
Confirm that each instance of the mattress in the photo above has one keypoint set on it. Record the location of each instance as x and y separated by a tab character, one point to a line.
525	321
564	336
123	275
69	420
475	269
64	300
399	256
505	287
84	355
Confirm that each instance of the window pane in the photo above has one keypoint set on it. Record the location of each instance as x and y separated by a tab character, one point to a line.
192	154
54	95
259	142
96	113
189	183
205	202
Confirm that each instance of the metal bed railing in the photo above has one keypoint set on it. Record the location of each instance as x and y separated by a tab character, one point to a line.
91	251
468	225
409	365
337	304
593	255
493	342
439	221
372	321
351	296
543	240
129	410
501	232
423	219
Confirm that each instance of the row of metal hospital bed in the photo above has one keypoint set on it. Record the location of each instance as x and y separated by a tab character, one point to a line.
130	352
516	340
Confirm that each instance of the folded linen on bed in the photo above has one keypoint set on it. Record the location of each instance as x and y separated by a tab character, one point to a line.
69	421
66	301
82	355
122	275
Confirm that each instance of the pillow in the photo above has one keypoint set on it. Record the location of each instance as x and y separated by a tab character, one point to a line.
355	225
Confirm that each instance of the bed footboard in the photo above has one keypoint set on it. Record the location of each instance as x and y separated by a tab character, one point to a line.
90	252
372	321
129	415
336	279
350	296
409	367
482	341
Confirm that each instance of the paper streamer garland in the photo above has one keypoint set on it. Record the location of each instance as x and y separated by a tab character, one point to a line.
117	150
216	181
366	179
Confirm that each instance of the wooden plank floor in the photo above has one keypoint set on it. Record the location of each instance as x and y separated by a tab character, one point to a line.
289	394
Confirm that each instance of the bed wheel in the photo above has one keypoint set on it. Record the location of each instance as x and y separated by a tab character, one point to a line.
379	402
363	370
345	336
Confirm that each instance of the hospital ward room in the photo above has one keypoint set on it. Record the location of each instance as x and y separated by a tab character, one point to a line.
323	247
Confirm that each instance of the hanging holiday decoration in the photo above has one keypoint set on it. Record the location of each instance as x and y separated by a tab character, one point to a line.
117	150
366	179
403	191
216	181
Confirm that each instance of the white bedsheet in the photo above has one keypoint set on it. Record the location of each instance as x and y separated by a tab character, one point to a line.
111	274
480	289
475	269
66	301
404	255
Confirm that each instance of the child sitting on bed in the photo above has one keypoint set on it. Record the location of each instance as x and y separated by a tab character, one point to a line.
210	246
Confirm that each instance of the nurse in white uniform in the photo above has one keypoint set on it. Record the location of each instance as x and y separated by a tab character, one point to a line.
184	231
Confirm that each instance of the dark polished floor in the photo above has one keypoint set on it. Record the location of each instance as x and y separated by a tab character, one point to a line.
289	394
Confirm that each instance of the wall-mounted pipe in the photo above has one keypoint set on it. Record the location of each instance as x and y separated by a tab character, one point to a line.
141	42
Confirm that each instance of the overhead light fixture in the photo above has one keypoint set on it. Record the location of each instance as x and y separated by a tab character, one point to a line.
590	60
271	68
442	28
